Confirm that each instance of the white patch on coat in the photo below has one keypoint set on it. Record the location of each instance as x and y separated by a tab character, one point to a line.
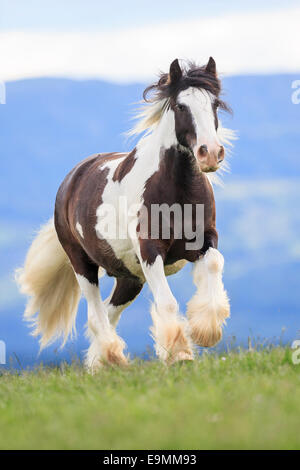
165	301
97	314
79	229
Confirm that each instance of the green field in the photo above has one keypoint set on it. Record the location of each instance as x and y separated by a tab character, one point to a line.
239	400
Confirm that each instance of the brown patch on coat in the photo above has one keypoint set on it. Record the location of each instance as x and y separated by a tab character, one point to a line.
124	167
184	124
125	291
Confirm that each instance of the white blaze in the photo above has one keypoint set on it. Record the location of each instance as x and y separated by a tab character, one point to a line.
199	103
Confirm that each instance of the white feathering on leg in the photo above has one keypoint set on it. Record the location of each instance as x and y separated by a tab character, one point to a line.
171	336
209	307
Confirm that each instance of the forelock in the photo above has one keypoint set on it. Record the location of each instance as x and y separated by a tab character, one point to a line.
194	95
192	76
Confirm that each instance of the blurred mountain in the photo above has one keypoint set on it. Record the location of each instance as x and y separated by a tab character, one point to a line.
48	125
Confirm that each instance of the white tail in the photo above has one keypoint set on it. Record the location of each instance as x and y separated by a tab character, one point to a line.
49	280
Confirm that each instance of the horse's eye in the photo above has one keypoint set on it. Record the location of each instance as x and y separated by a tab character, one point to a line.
180	107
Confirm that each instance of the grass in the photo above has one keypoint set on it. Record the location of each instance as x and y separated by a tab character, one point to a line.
241	400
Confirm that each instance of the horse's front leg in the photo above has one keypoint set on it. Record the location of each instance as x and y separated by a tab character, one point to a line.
172	342
209	307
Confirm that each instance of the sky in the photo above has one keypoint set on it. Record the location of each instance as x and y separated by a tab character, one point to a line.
133	40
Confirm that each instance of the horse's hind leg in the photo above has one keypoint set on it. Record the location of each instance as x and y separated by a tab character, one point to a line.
209	307
106	346
123	293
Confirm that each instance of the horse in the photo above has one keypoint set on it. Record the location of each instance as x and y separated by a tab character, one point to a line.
181	146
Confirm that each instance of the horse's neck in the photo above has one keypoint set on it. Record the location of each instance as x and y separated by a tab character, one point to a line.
162	137
158	152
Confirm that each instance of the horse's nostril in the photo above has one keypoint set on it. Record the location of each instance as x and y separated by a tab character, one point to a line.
221	154
203	150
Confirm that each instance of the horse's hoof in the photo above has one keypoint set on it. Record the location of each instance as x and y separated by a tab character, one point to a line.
94	366
120	361
182	356
112	354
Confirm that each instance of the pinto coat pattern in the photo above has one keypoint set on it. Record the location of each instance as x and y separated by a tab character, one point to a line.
170	166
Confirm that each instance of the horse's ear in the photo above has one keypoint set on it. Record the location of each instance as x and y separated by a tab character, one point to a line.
211	67
175	73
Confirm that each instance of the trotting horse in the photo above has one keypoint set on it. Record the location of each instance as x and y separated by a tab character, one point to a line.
182	143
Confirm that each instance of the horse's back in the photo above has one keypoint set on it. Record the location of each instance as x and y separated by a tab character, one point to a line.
77	201
85	180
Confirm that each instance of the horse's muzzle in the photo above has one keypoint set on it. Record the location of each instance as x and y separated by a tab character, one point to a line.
210	159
